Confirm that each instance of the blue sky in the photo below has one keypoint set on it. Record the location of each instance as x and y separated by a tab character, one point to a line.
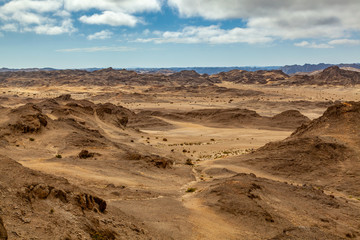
177	33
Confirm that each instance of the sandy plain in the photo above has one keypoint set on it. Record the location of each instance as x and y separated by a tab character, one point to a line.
203	154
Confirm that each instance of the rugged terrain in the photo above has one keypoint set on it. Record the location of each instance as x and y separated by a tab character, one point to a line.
115	154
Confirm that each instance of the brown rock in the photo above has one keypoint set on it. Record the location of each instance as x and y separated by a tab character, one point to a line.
41	191
89	202
85	154
3	232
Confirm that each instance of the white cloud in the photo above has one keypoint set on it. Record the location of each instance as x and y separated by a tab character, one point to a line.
63	13
98	49
146	32
39	16
281	19
11	27
1	34
55	16
114	13
111	18
128	6
39	6
263	20
330	44
345	42
48	29
210	34
307	44
105	34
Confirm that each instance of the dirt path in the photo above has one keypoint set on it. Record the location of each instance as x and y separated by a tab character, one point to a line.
207	224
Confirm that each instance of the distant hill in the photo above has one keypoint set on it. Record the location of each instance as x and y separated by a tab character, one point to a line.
204	70
292	69
288	69
26	69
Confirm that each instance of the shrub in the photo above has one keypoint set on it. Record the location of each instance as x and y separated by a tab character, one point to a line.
190	190
32	139
85	154
165	139
58	156
189	162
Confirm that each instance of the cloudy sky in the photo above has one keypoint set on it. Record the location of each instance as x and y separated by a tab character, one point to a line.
165	33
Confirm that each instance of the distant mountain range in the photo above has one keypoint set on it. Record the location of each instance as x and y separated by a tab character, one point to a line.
26	69
288	69
292	69
204	70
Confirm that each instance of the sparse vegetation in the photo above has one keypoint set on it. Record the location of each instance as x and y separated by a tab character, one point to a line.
85	154
58	156
186	144
190	190
165	139
32	139
189	162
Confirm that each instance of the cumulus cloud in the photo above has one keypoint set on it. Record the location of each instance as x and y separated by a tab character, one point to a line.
281	19
39	6
345	42
263	20
39	16
49	29
105	34
56	16
330	44
110	18
307	44
209	34
98	49
126	6
11	27
114	13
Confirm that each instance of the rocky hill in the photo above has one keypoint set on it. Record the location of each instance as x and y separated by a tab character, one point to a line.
307	68
324	152
235	117
245	77
330	76
111	77
40	206
103	77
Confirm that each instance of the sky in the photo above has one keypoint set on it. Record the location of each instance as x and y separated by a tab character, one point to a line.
177	33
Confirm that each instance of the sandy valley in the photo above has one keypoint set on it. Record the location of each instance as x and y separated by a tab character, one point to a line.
119	155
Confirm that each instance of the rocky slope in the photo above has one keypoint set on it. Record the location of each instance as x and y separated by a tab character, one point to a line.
260	208
323	152
39	206
330	76
235	117
245	77
104	77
